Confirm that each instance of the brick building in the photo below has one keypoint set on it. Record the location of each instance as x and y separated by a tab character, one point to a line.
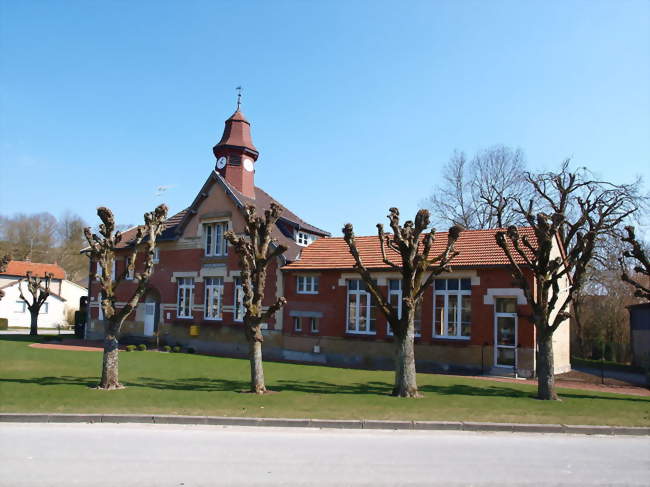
472	320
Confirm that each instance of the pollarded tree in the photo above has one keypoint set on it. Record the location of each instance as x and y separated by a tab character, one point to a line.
256	252
39	288
102	251
642	269
575	212
418	272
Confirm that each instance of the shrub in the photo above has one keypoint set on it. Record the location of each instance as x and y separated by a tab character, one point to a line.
142	347
191	350
130	348
4	323
167	348
176	349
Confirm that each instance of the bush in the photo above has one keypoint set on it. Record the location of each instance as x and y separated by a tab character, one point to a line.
191	350
167	348
176	349
130	348
4	323
142	347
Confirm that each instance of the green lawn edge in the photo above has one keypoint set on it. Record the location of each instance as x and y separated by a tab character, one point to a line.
34	380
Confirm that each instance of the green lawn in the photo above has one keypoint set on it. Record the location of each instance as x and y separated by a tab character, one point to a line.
38	380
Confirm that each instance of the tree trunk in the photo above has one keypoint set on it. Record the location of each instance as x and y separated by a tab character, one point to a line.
545	367
405	379
254	336
110	379
33	327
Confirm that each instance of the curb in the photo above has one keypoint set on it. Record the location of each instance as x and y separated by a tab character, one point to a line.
369	424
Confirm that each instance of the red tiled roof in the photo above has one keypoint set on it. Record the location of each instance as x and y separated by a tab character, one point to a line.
21	267
478	248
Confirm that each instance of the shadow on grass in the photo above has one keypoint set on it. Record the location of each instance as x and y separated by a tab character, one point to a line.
202	384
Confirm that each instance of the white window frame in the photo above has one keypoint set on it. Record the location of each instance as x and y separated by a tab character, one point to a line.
23	306
213	289
307	284
358	293
44	309
459	309
313	325
156	255
303	238
238	304
185	290
214	242
129	274
297	324
398	293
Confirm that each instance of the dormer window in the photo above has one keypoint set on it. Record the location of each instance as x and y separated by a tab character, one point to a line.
214	242
304	239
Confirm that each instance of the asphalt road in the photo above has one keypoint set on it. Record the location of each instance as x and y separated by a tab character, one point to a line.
172	455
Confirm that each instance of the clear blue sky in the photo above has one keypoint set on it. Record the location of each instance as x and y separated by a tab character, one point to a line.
355	105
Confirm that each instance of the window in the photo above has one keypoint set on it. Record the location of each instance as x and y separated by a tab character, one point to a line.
99	272
239	301
304	239
129	272
215	243
452	308
156	255
313	325
44	309
21	307
395	299
185	297
213	298
297	326
361	311
307	284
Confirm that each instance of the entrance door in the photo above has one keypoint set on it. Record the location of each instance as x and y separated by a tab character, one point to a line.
149	318
505	332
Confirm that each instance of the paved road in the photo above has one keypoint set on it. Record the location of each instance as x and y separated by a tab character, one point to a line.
172	455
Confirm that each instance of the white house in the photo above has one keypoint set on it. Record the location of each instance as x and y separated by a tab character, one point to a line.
63	300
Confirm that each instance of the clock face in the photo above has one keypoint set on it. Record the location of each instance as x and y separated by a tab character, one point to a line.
221	162
248	165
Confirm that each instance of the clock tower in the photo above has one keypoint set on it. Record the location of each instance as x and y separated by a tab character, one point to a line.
236	154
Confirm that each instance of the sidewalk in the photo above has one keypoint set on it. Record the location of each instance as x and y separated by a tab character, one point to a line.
327	423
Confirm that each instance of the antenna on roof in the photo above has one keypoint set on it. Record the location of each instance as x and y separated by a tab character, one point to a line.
238	97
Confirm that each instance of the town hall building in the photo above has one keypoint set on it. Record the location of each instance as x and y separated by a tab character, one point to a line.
472	320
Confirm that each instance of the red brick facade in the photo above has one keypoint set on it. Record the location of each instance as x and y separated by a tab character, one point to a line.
183	255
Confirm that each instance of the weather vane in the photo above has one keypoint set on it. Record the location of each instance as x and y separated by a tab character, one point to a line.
238	97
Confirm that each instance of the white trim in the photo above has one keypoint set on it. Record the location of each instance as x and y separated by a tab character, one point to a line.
508	292
194	274
358	293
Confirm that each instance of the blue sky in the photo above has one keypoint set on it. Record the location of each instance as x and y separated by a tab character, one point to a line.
355	105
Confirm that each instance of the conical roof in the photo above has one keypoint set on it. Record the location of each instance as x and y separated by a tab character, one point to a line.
237	132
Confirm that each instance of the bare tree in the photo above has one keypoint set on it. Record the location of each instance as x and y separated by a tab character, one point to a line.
573	212
102	251
256	252
4	263
70	232
30	237
39	288
642	268
480	194
406	243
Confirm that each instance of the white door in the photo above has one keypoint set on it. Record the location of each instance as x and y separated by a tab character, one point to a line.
505	332
149	317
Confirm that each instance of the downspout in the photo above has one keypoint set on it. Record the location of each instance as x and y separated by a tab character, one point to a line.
90	281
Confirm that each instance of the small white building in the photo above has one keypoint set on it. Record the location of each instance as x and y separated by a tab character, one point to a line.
59	306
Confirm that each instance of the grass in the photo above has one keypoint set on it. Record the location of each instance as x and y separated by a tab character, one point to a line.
40	380
607	365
